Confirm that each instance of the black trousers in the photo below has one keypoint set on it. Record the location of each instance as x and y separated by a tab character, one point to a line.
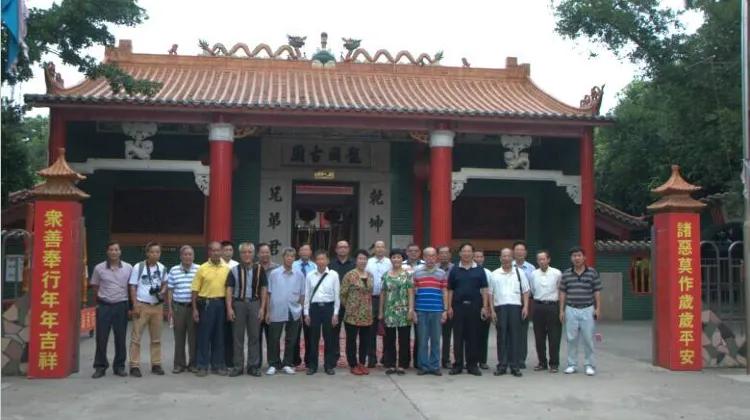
301	338
337	332
523	340
484	337
321	316
352	351
445	357
229	345
263	332
389	347
466	320
547	326
111	316
415	351
508	335
372	348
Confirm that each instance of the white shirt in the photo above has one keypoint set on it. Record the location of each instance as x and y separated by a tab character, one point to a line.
409	268
143	285
544	284
327	292
505	289
232	264
378	267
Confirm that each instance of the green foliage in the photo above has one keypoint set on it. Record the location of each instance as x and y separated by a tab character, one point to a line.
686	107
15	170
69	27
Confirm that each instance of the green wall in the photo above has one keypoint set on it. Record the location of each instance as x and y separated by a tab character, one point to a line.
402	182
634	306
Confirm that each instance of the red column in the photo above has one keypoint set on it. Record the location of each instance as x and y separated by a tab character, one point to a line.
57	134
220	138
587	223
441	172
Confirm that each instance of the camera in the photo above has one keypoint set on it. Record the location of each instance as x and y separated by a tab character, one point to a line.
154	291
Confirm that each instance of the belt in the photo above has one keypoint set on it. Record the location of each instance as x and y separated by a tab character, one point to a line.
149	303
104	302
467	302
322	303
211	298
246	299
580	306
174	302
546	302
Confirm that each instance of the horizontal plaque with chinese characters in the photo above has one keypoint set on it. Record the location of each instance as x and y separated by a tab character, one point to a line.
328	154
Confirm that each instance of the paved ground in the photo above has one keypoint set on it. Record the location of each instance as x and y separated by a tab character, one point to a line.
626	387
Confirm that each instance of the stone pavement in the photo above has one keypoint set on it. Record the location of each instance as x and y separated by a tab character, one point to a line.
626	387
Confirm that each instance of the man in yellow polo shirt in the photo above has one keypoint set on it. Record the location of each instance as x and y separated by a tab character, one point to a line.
209	311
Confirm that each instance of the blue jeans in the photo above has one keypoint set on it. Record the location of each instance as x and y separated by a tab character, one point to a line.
580	322
212	317
430	331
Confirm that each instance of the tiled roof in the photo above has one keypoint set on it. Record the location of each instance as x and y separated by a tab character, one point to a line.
622	246
619	215
221	82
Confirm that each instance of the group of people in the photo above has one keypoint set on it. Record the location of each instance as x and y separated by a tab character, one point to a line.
222	310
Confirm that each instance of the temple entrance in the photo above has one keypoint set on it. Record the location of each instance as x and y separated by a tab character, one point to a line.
323	214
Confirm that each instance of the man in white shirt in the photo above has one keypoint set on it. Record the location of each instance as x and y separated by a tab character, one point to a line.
520	252
545	282
509	292
227	254
321	310
484	327
377	265
147	286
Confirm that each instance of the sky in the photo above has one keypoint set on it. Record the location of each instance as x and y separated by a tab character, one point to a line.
485	32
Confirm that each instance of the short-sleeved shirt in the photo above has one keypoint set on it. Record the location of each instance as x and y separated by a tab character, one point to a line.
429	285
306	267
545	284
579	290
150	276
356	298
467	283
254	277
506	286
285	288
180	280
211	280
112	281
396	305
527	267
378	267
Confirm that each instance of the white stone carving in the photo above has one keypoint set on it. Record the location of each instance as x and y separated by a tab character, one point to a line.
456	187
515	158
139	147
571	183
202	181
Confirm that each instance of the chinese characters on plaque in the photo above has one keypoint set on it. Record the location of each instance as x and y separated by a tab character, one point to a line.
341	154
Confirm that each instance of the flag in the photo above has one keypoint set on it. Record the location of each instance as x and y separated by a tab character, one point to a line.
14	18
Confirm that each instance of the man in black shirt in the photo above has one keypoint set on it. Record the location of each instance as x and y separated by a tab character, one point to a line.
467	292
342	264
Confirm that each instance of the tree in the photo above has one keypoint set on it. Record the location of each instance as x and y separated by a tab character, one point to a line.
684	108
64	30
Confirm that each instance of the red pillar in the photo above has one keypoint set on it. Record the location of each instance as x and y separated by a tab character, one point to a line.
220	138
57	134
587	222
441	172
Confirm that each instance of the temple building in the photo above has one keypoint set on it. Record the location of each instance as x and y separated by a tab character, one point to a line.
275	146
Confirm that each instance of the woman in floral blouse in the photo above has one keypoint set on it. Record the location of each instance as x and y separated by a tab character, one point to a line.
396	300
356	298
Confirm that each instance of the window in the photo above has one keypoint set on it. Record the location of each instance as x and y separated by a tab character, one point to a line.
640	275
170	216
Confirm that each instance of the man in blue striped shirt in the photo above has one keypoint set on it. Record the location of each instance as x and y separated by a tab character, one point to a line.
179	295
430	303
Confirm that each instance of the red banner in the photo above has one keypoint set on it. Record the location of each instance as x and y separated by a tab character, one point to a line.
54	290
677	302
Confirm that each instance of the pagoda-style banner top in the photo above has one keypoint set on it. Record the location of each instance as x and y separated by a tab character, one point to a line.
359	83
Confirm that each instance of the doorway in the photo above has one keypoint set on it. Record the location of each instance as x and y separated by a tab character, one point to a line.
324	213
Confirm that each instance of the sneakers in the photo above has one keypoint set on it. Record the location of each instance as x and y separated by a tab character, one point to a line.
288	370
570	369
590	371
271	371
